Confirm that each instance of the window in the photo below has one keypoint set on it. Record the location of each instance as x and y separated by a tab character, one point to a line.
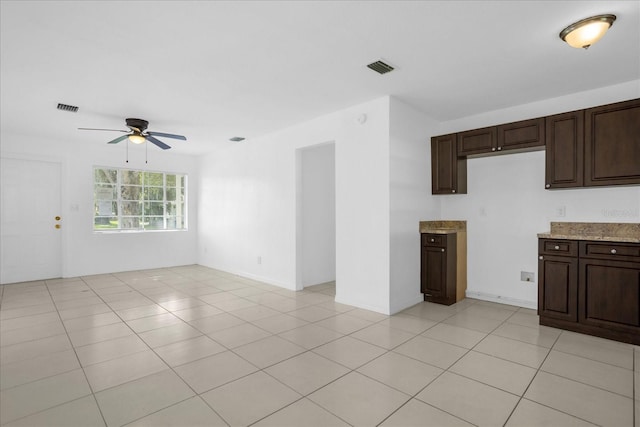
134	200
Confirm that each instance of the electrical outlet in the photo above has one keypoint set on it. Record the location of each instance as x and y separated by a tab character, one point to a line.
259	260
561	211
527	276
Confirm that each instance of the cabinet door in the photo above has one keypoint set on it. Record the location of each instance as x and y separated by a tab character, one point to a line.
522	134
448	171
477	141
565	150
612	144
610	294
558	287
433	272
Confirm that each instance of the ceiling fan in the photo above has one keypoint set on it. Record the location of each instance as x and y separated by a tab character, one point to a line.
138	134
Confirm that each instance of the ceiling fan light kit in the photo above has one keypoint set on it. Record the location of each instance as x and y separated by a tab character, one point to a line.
138	134
586	32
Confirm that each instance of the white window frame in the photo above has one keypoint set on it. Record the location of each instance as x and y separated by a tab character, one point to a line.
181	211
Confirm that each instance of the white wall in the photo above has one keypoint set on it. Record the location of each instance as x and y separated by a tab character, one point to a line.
410	199
85	252
248	204
316	194
507	205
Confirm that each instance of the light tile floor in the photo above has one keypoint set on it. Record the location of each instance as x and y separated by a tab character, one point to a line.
192	346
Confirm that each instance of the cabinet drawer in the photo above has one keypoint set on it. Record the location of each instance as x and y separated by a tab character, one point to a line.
610	250
439	240
558	247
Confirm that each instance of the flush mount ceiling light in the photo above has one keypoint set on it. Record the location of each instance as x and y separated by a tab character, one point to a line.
586	32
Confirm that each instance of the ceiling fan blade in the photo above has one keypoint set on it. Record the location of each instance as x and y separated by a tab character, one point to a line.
118	139
111	130
168	135
157	142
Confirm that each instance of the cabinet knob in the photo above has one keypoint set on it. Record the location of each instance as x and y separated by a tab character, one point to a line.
556	247
442	250
547	186
432	240
540	257
453	191
493	149
613	251
499	148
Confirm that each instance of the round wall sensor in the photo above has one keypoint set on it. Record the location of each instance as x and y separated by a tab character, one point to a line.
362	118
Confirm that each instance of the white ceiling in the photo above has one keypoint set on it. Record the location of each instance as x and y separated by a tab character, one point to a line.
212	69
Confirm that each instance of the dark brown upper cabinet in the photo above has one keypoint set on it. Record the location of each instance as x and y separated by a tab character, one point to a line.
477	141
523	135
448	171
612	144
565	147
587	148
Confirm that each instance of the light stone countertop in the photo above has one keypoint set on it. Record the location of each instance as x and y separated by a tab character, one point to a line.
442	227
598	231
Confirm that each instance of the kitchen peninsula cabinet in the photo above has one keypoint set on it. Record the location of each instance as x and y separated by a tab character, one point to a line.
591	287
448	171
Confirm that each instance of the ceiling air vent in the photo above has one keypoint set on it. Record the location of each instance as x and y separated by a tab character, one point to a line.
380	67
70	108
236	139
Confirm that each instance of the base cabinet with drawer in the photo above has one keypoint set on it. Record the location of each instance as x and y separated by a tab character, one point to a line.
443	266
592	287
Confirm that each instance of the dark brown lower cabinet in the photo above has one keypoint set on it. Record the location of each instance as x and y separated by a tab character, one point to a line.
438	268
595	291
558	293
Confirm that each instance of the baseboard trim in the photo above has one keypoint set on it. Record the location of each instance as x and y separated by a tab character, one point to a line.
501	299
339	299
396	308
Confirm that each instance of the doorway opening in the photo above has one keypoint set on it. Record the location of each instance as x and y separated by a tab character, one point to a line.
316	217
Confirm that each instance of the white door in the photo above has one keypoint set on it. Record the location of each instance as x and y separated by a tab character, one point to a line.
31	243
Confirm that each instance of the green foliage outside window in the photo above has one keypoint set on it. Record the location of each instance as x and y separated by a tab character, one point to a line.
126	199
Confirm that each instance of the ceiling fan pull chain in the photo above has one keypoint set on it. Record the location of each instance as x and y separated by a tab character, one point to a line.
146	153
127	151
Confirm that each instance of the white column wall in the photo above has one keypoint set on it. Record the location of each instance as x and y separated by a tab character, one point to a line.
410	199
248	204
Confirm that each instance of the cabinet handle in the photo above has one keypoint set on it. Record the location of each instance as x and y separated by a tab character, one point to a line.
540	257
499	148
556	248
547	186
613	251
441	250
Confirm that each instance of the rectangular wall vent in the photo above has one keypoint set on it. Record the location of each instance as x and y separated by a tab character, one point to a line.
380	67
65	107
